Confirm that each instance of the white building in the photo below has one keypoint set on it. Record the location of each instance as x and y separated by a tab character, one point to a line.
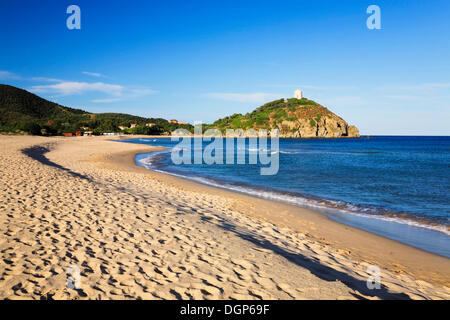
298	94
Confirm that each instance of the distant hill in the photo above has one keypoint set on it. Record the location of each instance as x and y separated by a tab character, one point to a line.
17	104
294	118
24	112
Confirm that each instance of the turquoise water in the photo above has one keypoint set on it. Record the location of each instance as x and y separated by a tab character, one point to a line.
397	187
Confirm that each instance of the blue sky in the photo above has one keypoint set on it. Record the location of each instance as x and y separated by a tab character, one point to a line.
201	60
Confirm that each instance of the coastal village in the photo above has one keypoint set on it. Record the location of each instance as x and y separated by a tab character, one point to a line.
86	132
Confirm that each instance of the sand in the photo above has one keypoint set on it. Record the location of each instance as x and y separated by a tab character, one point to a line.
82	203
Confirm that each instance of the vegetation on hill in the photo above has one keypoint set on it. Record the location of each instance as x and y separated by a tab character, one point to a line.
268	115
24	112
293	118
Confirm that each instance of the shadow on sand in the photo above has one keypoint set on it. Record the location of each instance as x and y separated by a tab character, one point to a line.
317	269
38	153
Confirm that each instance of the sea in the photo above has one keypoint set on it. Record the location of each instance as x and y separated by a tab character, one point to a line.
394	186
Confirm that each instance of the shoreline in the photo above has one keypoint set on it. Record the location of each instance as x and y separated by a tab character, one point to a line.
408	259
322	205
317	205
137	233
333	232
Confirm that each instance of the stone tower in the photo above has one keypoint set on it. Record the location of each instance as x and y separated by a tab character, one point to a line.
298	94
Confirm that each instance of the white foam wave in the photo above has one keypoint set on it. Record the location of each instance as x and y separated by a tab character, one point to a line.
298	200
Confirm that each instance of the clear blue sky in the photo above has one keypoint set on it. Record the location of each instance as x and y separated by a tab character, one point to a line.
201	60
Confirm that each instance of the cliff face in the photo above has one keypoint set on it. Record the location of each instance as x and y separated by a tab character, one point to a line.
324	124
294	118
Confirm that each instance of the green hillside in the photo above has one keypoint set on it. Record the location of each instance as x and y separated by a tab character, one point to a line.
294	118
266	116
24	112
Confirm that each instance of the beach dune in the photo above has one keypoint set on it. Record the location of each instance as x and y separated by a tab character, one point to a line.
79	220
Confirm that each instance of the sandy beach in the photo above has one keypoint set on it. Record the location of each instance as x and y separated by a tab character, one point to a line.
136	234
